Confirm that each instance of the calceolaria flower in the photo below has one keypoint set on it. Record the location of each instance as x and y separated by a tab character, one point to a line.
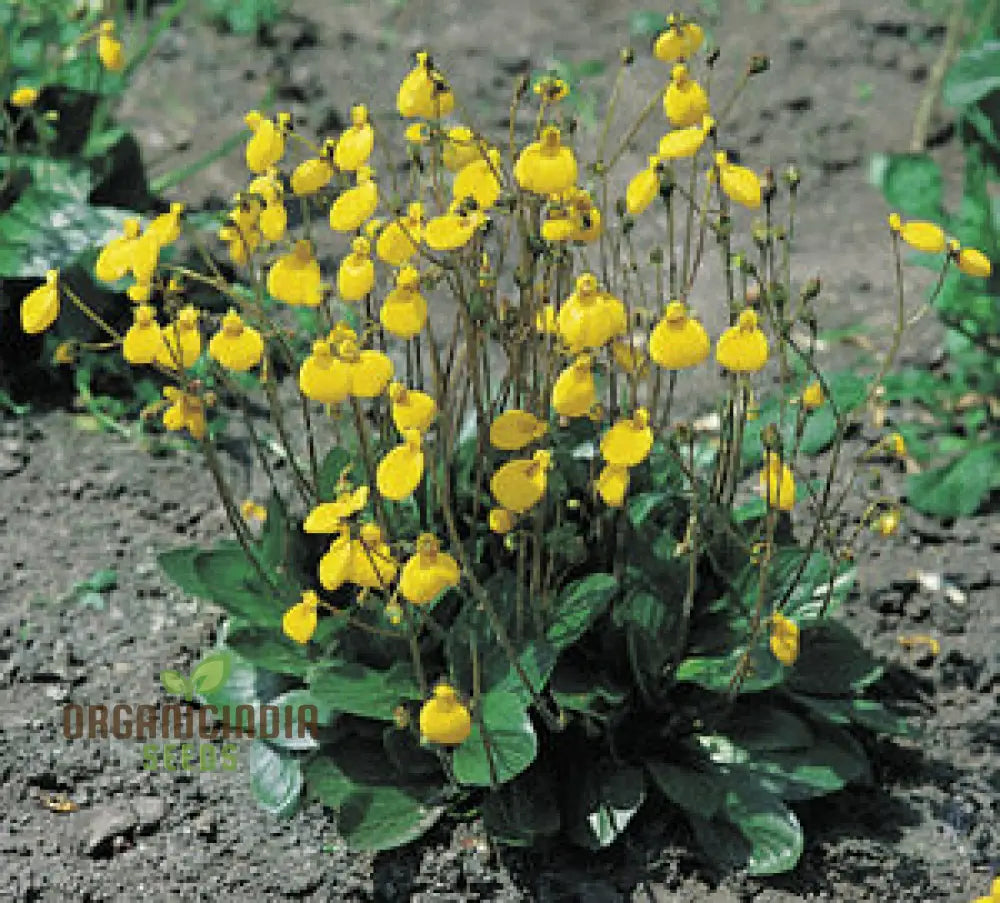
994	896
424	93
295	277
133	251
299	622
546	166
428	573
185	412
444	719
643	188
520	484
895	444
743	348
402	469
411	408
678	340
678	41
356	205
40	307
514	429
398	241
784	639
460	148
356	143
143	340
551	88
267	142
324	377
404	311
612	484
629	441
574	393
109	48
590	317
572	217
887	523
165	229
777	483
356	273
738	183
501	520
236	346
23	97
687	142
478	180
685	101
812	396
314	174
369	370
970	261
181	345
329	517
253	512
452	230
918	234
366	561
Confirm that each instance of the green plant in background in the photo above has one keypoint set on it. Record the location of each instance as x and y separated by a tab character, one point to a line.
502	569
244	16
959	444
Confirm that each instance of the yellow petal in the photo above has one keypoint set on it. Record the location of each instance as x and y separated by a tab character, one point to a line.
514	429
400	471
299	622
371	374
612	484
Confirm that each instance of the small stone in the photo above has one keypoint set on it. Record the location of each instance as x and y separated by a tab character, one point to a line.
101	825
149	810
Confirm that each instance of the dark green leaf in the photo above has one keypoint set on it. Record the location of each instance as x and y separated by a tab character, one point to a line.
769	827
407	755
512	743
650	623
956	489
234	584
270	649
697	792
522	811
876	717
641	506
275	779
578	606
367	692
818	431
383	817
716	673
755	726
832	662
912	184
178	565
646	23
294	700
973	75
333	465
601	808
579	691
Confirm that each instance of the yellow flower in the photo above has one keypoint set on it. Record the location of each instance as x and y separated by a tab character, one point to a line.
40	307
428	573
295	277
612	484
299	622
678	41
356	204
424	93
253	511
273	221
165	229
329	517
236	346
444	719
574	392
738	183
267	142
514	429
417	133
501	520
919	234
404	311
629	355
589	317
477	180
398	241
546	321
784	639
314	174
551	88
685	142
411	409
572	217
451	231
685	101
323	377
546	166
812	396
115	259
402	469
887	522
895	444
974	263
629	441
335	565
460	148
356	143
356	274
520	484
777	483
185	412
109	48
370	370
994	896
678	341
643	188
143	339
372	564
742	348
23	97
181	344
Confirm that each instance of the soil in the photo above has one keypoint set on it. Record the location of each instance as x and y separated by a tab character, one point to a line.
845	80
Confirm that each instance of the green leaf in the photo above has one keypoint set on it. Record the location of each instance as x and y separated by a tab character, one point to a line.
578	606
178	565
958	488
754	726
641	506
578	690
212	671
274	538
696	791
770	828
716	673
383	817
270	649
275	779
646	24
245	685
832	662
367	692
876	717
175	682
513	744
522	811
912	184
101	581
234	584
973	75
818	431
408	755
601	806
650	623
294	700
333	465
